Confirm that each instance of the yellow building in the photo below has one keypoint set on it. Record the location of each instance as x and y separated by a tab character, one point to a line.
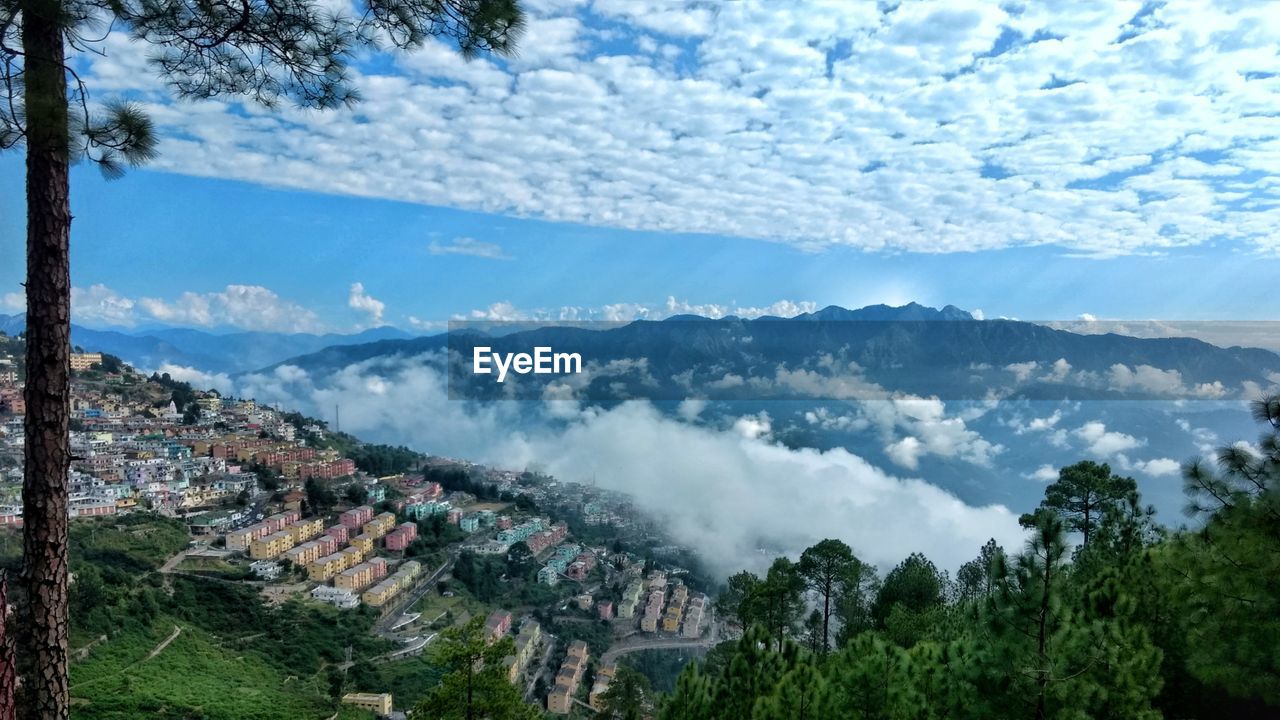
354	555
380	594
265	548
210	403
376	703
355	578
671	622
304	554
363	541
323	569
83	361
380	525
304	530
560	701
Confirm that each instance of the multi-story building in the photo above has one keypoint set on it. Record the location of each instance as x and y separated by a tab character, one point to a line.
356	517
400	538
604	676
692	627
364	541
341	532
304	530
630	599
497	625
270	546
377	703
560	701
81	362
401	580
325	568
362	575
380	525
308	552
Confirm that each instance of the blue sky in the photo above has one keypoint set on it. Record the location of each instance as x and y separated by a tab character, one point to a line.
1114	158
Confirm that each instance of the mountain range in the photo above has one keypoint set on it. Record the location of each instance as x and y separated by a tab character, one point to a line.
837	353
210	352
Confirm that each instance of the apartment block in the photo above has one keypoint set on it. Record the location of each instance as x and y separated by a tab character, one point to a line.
270	546
377	703
380	525
400	538
308	552
341	532
560	701
497	625
304	530
401	580
364	542
356	517
325	568
83	361
630	599
362	575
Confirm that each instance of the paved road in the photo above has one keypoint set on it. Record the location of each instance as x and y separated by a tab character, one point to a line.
383	626
636	643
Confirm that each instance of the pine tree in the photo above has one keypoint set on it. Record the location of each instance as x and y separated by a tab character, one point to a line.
830	570
264	51
692	698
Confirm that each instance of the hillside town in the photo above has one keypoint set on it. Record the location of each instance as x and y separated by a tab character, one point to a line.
271	500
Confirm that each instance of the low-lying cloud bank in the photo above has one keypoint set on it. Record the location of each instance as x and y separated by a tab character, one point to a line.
726	492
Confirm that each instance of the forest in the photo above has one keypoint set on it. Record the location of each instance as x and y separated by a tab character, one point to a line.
1104	613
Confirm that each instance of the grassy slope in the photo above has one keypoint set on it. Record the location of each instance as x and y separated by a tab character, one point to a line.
193	677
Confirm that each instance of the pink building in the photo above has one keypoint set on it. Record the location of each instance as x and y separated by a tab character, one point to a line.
356	517
340	532
400	538
454	517
497	625
328	544
605	608
505	523
379	566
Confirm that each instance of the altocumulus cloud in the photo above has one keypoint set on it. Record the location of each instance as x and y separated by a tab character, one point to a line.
724	491
1105	128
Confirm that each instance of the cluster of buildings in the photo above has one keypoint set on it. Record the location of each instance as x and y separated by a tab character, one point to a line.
402	579
131	450
671	612
604	676
570	560
560	700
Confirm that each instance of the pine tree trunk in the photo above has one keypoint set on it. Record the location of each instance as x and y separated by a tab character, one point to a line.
43	640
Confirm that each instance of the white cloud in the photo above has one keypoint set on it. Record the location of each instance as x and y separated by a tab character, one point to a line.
1105	443
819	124
247	307
361	301
1044	474
470	247
13	302
1156	467
199	379
626	312
737	491
100	304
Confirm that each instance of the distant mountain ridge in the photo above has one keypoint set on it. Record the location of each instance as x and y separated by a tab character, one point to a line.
912	348
210	352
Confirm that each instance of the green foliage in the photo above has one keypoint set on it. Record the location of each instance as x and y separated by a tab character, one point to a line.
629	696
475	682
380	460
1082	494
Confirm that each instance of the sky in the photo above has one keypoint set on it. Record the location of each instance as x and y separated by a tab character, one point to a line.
1040	160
